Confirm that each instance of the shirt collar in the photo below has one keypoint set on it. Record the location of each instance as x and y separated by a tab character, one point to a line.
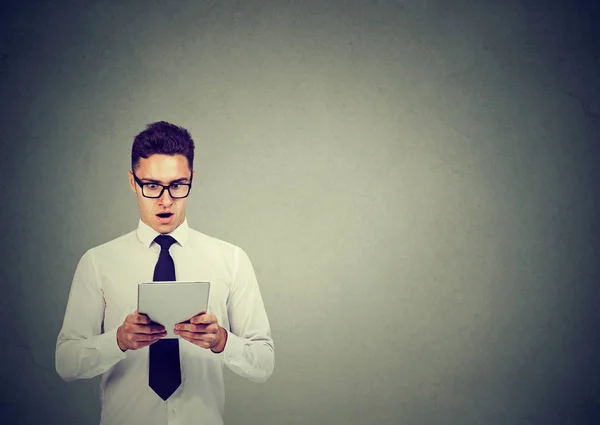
147	234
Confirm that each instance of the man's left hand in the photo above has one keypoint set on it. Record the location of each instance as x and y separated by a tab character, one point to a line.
204	331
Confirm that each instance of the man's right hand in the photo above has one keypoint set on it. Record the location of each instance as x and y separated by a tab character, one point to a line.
138	331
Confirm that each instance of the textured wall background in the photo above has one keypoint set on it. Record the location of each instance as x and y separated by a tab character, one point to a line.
414	182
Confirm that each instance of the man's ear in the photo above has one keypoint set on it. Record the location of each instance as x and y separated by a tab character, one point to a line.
131	180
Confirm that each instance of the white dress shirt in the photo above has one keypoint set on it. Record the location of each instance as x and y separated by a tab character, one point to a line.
104	292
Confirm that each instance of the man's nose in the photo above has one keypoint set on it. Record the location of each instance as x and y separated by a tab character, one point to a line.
166	199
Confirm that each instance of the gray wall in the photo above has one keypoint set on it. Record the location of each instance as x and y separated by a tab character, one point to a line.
413	181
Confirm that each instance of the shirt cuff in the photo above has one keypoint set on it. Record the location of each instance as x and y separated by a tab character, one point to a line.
234	348
107	344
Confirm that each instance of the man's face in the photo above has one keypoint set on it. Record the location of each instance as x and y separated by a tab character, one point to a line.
165	170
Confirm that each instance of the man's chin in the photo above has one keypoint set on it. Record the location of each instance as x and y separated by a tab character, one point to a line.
164	227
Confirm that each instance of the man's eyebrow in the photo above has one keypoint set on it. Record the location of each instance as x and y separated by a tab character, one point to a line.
179	180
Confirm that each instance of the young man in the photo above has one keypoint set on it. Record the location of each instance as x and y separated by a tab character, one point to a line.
148	379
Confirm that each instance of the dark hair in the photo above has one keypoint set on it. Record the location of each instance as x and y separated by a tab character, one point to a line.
162	138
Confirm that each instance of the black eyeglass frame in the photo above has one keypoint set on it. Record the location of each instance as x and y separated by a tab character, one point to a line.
142	184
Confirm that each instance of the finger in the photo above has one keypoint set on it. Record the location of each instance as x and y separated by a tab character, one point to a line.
137	341
197	317
146	337
190	336
154	327
205	318
132	317
142	344
199	343
211	328
151	329
144	329
139	318
194	336
189	327
152	342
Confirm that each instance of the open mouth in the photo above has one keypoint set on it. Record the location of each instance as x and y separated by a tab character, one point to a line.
164	215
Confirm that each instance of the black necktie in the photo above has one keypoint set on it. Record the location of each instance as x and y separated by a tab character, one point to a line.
164	370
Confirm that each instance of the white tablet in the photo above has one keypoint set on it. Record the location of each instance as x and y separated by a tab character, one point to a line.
168	303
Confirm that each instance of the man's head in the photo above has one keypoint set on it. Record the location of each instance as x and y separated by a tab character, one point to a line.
162	154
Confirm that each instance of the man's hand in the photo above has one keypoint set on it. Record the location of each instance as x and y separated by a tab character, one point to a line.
204	331
137	331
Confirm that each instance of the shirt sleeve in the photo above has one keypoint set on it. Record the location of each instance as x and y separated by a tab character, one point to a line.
82	349
249	351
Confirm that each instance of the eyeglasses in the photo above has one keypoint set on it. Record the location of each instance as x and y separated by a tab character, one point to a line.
155	190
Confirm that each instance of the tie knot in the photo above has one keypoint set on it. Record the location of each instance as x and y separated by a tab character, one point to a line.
165	241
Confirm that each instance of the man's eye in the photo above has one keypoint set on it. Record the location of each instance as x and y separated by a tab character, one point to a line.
175	186
152	186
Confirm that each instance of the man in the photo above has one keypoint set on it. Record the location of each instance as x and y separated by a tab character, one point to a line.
148	379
